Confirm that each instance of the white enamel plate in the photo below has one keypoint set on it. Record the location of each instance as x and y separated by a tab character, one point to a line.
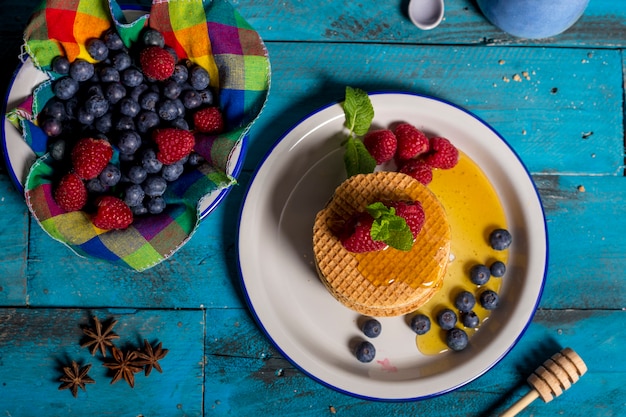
315	331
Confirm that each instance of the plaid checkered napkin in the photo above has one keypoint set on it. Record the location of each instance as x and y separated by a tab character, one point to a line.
209	33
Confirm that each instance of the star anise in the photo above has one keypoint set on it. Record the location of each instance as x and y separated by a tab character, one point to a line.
75	377
150	356
98	338
124	365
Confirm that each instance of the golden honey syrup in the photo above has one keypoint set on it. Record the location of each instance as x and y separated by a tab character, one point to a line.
474	210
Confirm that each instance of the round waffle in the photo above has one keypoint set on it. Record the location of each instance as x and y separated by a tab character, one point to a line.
388	282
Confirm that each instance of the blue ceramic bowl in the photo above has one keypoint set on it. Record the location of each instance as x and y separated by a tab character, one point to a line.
533	19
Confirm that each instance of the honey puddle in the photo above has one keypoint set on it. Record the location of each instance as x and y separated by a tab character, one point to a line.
473	209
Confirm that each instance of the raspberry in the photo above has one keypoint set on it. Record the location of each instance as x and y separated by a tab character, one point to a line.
357	235
70	193
156	63
90	156
174	144
209	120
419	170
412	212
381	144
412	142
112	213
444	154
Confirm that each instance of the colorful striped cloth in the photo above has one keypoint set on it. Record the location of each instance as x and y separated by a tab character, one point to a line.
210	33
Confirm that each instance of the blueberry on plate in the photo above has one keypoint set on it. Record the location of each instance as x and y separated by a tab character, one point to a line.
97	49
365	352
152	37
65	88
133	195
172	172
112	40
480	274
446	319
470	319
465	301
156	205
81	70
489	299
420	324
371	328
497	269
500	239
457	339
60	64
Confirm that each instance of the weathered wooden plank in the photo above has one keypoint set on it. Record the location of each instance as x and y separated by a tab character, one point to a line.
247	376
36	343
564	100
14	244
602	24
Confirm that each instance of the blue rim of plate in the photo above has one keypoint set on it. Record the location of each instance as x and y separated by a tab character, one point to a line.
17	183
327	384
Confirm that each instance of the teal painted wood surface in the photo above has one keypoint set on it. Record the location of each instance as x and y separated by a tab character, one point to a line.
558	102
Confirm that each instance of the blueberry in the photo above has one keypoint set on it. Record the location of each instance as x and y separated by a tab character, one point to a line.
469	319
57	149
465	301
97	49
139	210
97	105
146	120
60	65
137	174
150	162
129	107
54	109
446	319
109	74
112	40
110	175
195	159
152	37
456	339
136	92
480	274
149	100
371	328
104	123
191	99
114	92
167	110
497	269
171	89
65	88
420	324
121	61
198	77
131	77
154	186
124	123
71	108
207	97
500	239
85	117
81	70
180	74
180	123
156	205
489	299
94	185
365	352
52	127
133	195
172	172
180	108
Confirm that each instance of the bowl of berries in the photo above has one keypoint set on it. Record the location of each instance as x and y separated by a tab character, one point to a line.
123	133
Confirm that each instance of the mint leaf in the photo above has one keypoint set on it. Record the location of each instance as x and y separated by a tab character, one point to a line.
389	227
358	110
357	159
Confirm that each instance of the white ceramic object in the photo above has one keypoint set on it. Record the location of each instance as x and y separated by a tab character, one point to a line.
426	14
312	329
19	156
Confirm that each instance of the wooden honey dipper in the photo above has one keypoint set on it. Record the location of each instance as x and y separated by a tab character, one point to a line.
549	380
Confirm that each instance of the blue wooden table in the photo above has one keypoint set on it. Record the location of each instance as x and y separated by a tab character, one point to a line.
559	102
